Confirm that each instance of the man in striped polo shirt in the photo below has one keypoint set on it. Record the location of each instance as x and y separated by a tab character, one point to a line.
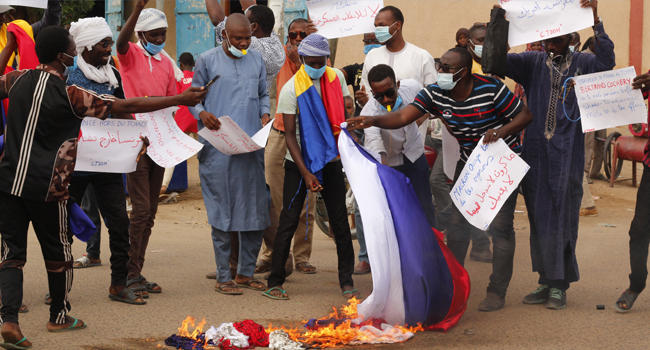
472	106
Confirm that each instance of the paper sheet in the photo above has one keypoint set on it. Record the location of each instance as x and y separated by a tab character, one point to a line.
169	146
231	139
606	100
450	153
29	3
491	174
532	21
341	18
109	146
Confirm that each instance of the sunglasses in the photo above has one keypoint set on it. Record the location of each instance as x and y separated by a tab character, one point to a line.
371	41
390	93
445	69
293	35
106	44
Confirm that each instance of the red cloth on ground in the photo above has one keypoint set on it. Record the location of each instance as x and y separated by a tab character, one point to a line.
183	117
26	47
257	336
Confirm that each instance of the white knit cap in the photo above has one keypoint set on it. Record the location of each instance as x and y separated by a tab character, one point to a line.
151	19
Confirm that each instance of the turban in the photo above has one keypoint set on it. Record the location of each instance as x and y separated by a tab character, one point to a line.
314	45
87	32
151	19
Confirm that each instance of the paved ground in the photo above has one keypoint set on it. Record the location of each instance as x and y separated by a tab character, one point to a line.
180	253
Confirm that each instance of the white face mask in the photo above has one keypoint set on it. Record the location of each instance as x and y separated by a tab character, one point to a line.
478	49
446	80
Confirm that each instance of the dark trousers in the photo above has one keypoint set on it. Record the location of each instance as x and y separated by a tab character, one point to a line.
503	238
418	173
294	194
111	201
50	222
144	189
90	207
640	235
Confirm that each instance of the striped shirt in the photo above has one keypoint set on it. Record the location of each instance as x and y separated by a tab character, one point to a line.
491	105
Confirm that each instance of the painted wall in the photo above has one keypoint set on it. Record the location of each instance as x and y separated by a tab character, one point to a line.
170	43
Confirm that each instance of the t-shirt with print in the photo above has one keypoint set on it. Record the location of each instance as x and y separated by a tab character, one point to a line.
490	105
288	101
354	72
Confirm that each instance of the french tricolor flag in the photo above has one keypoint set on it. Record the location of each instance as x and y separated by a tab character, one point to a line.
416	279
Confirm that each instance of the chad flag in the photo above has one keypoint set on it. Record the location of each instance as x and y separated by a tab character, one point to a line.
416	278
320	118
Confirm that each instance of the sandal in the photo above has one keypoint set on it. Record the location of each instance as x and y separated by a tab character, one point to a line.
249	284
263	266
151	287
15	345
73	327
306	268
628	298
350	293
269	295
48	299
127	296
230	285
23	309
138	288
85	261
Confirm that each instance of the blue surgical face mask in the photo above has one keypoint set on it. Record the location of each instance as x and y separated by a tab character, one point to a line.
446	80
572	48
383	33
72	68
368	48
233	50
153	49
478	49
313	72
398	103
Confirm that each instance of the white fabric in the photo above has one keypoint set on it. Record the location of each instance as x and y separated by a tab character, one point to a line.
387	298
151	19
227	331
279	340
395	143
87	32
387	335
410	63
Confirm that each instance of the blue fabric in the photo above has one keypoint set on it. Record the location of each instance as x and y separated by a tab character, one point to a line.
426	278
80	225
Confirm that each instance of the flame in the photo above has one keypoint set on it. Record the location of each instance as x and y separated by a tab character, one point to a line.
189	322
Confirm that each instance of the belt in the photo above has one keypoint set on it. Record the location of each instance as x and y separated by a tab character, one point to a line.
281	132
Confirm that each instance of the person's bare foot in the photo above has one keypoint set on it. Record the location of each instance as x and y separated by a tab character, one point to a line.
228	287
23	307
350	292
11	334
163	189
277	293
69	321
115	290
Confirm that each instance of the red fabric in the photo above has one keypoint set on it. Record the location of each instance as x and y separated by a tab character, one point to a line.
257	336
183	117
224	344
26	47
462	288
333	102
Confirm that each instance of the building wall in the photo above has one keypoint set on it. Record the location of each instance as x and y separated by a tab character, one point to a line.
169	7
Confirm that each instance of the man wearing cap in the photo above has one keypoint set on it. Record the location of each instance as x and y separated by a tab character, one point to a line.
233	186
147	70
313	99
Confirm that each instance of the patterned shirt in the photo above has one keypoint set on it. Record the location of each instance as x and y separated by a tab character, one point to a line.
490	105
271	49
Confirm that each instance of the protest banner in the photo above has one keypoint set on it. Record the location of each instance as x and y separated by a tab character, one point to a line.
340	18
532	21
29	3
109	146
606	100
231	139
168	145
491	174
451	153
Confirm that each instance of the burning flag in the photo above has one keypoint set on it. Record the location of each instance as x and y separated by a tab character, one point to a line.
416	279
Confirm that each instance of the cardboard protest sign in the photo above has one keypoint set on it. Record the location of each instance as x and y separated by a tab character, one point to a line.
109	146
168	146
232	139
29	3
544	19
340	18
451	153
606	100
491	174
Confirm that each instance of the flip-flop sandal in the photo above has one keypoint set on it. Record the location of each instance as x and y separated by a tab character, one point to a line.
85	262
15	345
221	290
268	294
248	285
306	268
126	296
48	299
73	327
23	309
351	292
628	298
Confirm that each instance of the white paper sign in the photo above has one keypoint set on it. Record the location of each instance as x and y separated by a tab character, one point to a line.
543	19
29	3
109	146
491	174
606	100
168	146
231	139
450	153
340	18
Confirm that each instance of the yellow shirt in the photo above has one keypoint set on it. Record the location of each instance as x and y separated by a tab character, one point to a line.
476	68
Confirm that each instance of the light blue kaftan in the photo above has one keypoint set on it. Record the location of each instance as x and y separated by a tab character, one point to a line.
234	188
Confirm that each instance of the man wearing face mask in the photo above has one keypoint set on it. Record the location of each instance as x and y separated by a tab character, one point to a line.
475	46
313	100
555	152
455	97
234	188
147	70
575	43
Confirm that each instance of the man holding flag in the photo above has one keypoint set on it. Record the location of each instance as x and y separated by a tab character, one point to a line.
313	99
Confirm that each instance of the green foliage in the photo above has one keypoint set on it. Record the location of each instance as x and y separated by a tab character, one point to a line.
72	11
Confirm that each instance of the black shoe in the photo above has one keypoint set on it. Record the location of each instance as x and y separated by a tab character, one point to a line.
556	299
492	302
539	296
481	256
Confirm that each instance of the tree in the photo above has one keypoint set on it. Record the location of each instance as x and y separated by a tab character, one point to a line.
72	11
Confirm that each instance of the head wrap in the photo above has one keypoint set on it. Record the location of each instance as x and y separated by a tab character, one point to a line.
5	8
87	32
151	19
314	45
